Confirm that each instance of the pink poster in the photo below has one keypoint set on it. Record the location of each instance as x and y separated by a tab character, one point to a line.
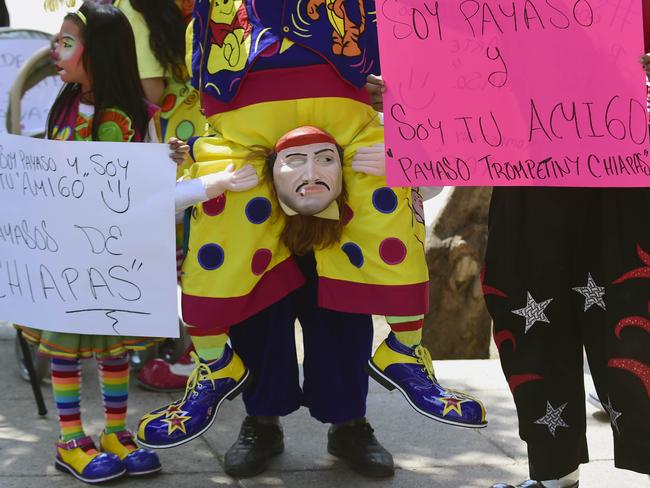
514	92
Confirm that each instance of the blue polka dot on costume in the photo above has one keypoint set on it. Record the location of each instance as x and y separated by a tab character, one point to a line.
210	256
384	200
354	253
258	210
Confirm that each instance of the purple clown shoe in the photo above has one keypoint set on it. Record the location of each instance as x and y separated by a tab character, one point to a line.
186	419
409	370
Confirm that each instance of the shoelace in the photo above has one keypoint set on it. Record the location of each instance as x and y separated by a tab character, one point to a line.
368	430
365	432
201	372
424	358
248	434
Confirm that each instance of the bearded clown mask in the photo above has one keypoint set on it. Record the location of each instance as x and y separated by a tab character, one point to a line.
307	173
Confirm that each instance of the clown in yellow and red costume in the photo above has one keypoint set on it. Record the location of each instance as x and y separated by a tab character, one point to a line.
284	66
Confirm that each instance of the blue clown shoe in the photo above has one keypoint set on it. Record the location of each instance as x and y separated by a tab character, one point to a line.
207	387
529	484
138	461
81	459
410	370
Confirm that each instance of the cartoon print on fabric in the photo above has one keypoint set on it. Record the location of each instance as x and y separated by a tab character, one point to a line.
231	36
345	32
114	126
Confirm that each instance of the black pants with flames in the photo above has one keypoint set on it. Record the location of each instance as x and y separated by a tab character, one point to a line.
568	269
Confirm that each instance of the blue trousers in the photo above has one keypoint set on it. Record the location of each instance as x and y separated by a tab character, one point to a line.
337	347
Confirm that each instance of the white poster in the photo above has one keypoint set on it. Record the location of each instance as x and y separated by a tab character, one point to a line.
87	237
36	103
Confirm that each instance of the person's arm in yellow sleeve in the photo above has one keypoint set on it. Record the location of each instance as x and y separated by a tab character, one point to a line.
151	72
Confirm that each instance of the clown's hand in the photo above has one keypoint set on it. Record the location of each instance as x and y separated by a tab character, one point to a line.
645	61
243	179
179	150
376	88
52	5
370	160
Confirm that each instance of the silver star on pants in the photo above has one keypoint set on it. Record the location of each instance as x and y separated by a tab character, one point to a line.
533	311
553	418
592	292
613	414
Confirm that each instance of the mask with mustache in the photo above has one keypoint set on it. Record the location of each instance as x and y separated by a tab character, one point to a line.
307	173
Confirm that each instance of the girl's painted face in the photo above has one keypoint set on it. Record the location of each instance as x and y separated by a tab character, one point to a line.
67	54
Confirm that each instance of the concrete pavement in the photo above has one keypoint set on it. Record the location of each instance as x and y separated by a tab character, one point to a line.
427	453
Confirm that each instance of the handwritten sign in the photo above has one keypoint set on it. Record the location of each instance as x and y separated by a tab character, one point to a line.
38	100
530	92
87	237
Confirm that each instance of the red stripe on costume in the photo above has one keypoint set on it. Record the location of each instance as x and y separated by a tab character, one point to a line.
115	368
637	368
316	81
505	335
516	380
64	374
640	322
407	326
398	300
207	331
70	418
217	313
115	409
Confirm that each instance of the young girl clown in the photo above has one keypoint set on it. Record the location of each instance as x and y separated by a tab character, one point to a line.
102	100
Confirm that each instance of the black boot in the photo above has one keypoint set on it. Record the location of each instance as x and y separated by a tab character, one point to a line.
355	443
256	445
527	484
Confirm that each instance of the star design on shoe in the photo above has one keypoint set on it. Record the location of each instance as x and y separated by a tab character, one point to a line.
177	422
410	371
553	418
533	312
613	414
592	292
452	404
209	385
174	409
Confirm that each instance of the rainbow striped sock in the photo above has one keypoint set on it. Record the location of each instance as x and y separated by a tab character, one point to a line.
66	388
208	347
114	378
407	330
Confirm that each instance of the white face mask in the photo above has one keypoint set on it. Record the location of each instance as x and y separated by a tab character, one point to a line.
308	178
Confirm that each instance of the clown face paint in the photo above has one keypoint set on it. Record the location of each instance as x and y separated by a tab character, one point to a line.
68	50
308	178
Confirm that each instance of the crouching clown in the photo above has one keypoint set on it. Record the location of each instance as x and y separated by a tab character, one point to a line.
254	268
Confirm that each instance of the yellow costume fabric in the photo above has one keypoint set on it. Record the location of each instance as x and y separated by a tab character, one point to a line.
180	111
148	65
236	266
